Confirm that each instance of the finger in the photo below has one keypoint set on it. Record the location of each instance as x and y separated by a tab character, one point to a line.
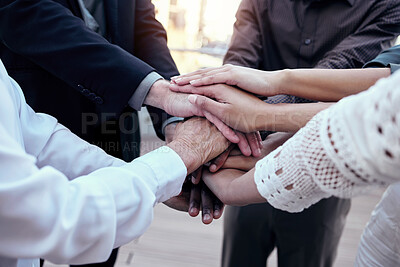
236	152
206	204
200	75
243	144
254	144
192	74
222	127
194	202
186	79
222	73
213	78
239	162
220	160
196	175
260	140
187	89
208	91
207	104
218	208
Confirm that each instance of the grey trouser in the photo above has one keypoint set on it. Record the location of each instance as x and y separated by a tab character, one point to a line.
308	239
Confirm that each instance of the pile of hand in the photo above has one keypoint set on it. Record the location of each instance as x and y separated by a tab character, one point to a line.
228	97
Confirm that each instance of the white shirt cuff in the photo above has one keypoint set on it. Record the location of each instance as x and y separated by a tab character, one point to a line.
169	172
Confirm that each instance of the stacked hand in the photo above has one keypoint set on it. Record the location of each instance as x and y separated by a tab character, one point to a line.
178	104
212	94
238	115
226	104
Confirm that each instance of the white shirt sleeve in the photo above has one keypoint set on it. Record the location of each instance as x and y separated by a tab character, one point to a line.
43	213
342	151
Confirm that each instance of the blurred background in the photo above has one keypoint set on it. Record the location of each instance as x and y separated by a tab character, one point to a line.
199	32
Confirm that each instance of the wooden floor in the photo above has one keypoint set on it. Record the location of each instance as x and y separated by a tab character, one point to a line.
176	240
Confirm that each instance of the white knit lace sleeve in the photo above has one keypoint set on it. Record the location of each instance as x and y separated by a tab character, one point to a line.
342	151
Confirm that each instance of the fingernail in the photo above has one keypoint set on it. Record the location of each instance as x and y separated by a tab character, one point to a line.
207	217
179	79
193	82
216	213
213	168
192	99
193	180
193	211
175	77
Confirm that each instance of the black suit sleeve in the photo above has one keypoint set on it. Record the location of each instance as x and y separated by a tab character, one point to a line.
151	47
151	40
49	35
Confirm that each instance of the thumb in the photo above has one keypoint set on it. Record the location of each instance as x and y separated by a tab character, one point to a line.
207	104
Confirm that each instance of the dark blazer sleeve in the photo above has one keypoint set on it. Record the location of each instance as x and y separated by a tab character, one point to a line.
378	31
48	34
387	59
151	40
151	46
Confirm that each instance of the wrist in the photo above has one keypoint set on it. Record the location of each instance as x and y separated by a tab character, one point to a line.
157	94
187	153
169	132
283	78
265	117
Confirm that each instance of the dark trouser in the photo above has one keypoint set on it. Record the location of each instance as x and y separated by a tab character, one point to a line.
109	263
308	239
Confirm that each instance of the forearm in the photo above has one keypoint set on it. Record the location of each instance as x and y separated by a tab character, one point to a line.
287	117
243	191
328	84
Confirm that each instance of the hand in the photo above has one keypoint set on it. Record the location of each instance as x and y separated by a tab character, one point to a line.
182	201
234	107
177	104
169	131
197	141
203	199
236	160
255	144
233	187
255	81
249	144
194	198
